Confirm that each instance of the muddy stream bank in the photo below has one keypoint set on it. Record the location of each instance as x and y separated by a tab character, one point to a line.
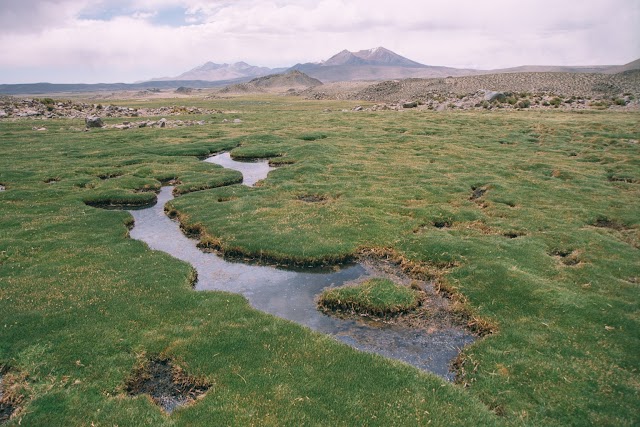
291	294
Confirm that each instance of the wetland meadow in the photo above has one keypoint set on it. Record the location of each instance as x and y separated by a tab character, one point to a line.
525	223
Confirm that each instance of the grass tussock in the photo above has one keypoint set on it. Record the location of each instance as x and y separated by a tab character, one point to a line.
379	297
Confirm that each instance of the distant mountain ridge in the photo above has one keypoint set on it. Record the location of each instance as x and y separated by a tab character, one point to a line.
376	64
210	71
378	56
370	64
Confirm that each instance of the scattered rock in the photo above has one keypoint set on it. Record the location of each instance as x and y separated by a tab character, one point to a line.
358	108
162	122
410	105
93	122
237	121
3	114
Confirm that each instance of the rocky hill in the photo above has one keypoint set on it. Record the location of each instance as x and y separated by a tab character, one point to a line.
508	90
291	80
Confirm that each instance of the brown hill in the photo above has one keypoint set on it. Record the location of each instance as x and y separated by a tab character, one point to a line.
293	79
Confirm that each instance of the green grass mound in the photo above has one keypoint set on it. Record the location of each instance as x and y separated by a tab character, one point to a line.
377	296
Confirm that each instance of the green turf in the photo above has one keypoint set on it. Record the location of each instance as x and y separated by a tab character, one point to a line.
81	303
376	296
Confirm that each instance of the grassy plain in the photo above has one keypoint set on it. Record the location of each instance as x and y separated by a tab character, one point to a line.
547	249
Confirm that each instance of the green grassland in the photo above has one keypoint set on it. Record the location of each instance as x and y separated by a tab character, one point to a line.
377	296
539	213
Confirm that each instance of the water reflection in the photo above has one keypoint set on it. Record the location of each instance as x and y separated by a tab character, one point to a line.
290	294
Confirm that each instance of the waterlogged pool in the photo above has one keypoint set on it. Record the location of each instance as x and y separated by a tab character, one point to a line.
291	294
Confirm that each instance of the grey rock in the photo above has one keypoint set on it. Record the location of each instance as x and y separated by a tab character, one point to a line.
142	124
358	108
3	113
494	96
410	105
237	121
162	122
93	122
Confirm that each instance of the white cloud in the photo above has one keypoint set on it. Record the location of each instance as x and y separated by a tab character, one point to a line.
49	40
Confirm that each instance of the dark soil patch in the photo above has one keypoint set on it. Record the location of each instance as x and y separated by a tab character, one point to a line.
442	224
6	410
225	199
567	256
604	222
312	198
167	385
477	192
105	176
11	395
513	234
613	178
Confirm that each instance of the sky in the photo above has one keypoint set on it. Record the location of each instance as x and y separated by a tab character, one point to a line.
91	41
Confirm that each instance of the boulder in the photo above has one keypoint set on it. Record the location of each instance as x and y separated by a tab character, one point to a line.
93	122
494	96
162	122
3	113
410	105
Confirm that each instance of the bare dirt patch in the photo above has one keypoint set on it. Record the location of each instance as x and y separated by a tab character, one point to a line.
604	222
312	198
568	257
12	387
478	192
167	384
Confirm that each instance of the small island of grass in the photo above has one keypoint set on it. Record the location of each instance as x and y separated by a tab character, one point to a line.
377	297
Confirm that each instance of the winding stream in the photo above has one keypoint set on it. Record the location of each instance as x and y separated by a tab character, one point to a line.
290	294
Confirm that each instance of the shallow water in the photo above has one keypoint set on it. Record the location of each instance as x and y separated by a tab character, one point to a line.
291	294
252	172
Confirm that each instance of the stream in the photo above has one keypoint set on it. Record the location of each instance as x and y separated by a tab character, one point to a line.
291	294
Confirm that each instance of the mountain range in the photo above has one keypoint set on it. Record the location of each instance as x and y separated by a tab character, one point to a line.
372	64
211	71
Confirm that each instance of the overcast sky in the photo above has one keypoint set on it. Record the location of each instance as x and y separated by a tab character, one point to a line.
90	41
